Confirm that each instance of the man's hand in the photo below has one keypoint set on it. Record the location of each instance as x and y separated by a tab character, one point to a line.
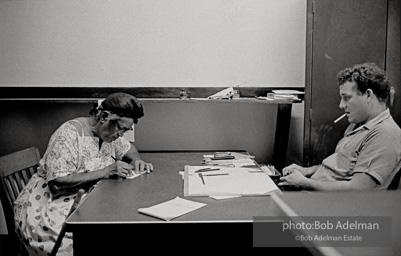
293	177
305	171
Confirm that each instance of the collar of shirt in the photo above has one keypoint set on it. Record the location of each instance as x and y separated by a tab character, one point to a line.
382	116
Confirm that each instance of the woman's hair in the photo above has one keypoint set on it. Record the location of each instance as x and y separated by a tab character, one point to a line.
121	104
366	76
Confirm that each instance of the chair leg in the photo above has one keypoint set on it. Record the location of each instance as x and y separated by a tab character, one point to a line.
58	241
62	231
23	251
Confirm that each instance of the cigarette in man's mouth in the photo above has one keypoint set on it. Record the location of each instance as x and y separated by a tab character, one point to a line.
341	117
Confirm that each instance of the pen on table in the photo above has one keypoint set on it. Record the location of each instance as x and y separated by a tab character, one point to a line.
250	166
207	170
201	176
341	117
216	174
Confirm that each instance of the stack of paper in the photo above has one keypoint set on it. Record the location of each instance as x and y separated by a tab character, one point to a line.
232	159
171	209
287	94
282	95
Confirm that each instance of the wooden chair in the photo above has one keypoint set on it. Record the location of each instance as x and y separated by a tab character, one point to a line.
16	169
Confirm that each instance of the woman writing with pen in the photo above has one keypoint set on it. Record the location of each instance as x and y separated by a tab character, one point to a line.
80	153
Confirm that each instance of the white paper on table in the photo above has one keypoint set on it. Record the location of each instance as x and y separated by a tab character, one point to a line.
171	209
239	181
134	175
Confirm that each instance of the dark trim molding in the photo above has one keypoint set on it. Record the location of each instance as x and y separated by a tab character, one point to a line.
139	92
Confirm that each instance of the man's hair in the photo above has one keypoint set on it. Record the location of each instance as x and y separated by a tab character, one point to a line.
366	76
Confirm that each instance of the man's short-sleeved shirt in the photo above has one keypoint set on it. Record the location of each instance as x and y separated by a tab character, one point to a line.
373	148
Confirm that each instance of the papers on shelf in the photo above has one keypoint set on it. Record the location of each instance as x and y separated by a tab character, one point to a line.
227	181
263	98
292	92
224	94
171	209
281	95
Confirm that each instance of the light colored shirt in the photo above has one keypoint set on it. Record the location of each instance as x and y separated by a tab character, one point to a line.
373	148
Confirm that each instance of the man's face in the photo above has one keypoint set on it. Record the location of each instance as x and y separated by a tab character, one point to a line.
354	103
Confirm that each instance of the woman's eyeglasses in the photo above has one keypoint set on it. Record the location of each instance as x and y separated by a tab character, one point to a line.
122	130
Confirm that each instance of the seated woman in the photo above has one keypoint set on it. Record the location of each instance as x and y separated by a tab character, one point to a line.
80	153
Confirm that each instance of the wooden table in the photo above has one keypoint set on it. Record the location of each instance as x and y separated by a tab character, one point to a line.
108	220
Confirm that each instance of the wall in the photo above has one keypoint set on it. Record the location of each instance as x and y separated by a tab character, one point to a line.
153	43
166	126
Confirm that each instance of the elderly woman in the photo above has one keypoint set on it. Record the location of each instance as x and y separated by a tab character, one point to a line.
80	153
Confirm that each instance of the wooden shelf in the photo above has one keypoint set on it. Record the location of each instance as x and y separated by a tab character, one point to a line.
157	100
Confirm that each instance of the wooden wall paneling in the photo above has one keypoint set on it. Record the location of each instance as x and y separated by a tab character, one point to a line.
345	32
393	56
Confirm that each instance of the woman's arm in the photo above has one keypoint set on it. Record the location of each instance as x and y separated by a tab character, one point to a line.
132	154
359	181
70	184
132	157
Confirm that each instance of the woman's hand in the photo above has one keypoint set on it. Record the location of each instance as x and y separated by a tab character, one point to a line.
140	166
118	168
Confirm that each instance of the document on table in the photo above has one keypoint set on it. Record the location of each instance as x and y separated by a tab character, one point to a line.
171	209
226	181
134	175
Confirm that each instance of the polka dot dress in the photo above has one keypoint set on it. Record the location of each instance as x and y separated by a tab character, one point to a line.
38	215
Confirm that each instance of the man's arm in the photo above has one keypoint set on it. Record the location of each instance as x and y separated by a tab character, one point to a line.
359	181
306	171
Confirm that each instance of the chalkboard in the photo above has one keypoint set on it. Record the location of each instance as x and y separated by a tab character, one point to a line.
152	43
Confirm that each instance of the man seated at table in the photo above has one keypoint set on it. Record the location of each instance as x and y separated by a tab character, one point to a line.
366	157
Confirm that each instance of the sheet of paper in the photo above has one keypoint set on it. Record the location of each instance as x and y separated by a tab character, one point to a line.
295	92
134	175
171	209
239	181
223	197
263	98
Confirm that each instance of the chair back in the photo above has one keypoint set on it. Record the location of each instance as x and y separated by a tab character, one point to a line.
395	183
15	171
